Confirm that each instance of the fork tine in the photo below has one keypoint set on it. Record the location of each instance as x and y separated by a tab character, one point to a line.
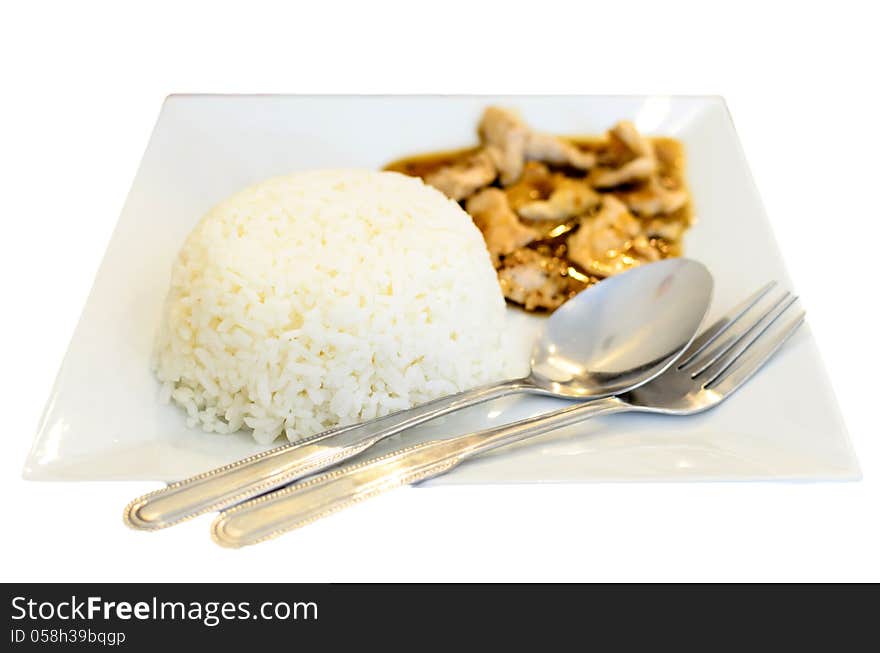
711	333
737	335
742	370
750	338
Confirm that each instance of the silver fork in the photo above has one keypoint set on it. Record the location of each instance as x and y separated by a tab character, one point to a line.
720	360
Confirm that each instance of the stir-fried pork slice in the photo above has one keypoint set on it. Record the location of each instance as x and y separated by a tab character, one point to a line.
653	199
645	250
669	230
634	151
502	230
627	135
611	241
507	134
537	281
514	143
462	179
570	198
553	150
636	170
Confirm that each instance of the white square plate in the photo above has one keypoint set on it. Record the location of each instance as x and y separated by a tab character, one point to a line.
103	419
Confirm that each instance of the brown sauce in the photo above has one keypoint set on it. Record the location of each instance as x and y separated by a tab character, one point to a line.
421	165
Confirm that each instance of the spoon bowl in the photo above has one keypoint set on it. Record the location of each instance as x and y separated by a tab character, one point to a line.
622	332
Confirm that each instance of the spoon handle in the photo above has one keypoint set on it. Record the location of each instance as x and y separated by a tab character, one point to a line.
309	500
239	481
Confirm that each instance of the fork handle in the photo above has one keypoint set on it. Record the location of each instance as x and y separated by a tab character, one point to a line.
239	481
295	506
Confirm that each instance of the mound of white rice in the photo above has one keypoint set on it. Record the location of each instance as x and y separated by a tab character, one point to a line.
324	298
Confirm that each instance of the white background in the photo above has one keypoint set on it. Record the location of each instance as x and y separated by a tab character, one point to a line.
82	85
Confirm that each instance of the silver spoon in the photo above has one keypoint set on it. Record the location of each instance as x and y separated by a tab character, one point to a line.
608	340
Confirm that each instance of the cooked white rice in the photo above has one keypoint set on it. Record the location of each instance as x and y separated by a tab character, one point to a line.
324	298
